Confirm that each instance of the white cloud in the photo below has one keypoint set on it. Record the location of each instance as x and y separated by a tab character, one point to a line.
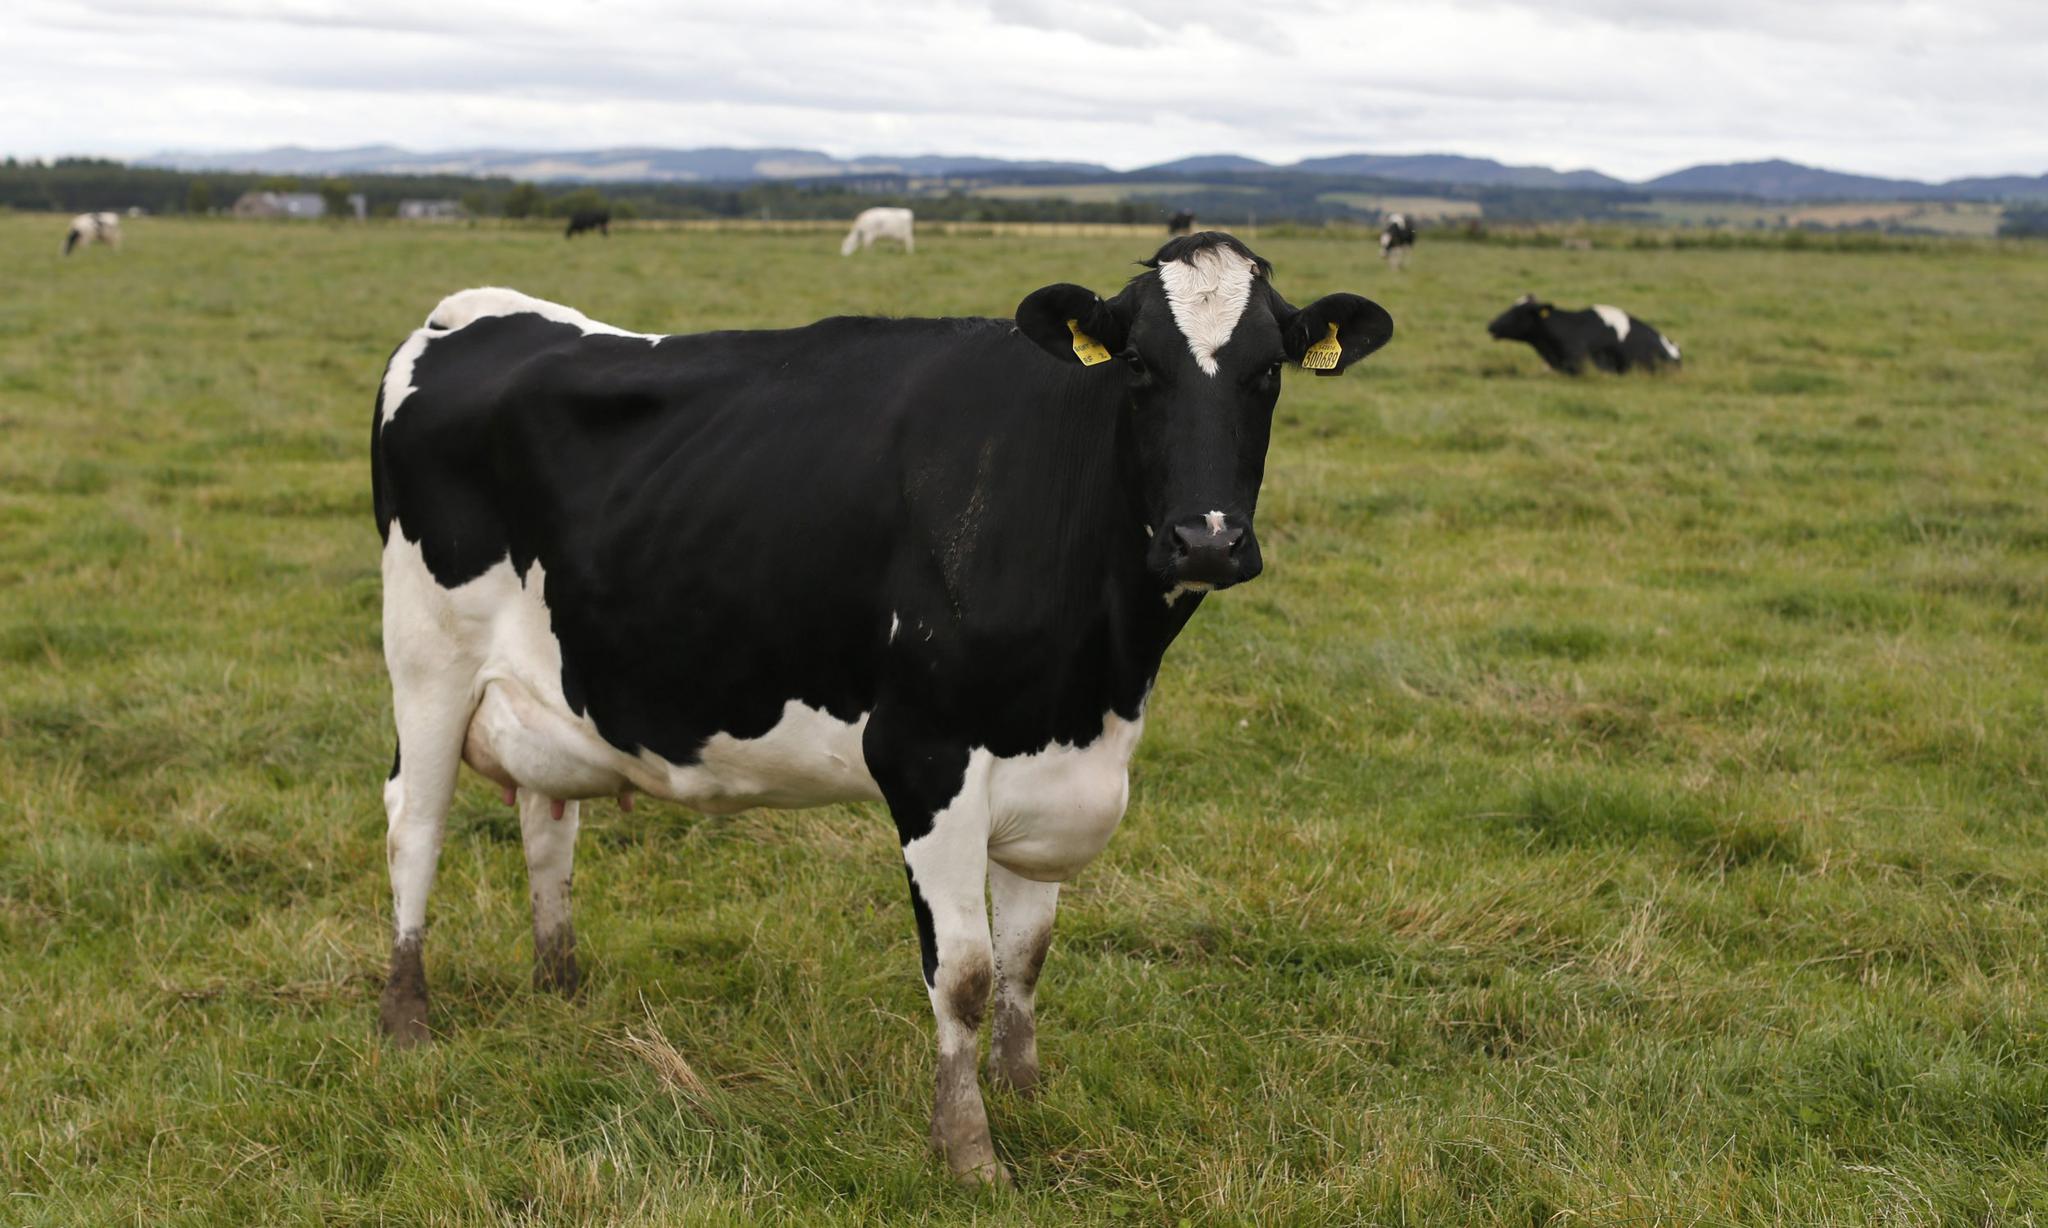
1632	87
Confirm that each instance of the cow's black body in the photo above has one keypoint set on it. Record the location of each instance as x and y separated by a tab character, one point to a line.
1571	340
947	476
1182	222
599	220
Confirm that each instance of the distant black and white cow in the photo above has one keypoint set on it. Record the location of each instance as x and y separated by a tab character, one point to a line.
933	563
880	223
1182	222
1397	241
93	228
1607	337
599	220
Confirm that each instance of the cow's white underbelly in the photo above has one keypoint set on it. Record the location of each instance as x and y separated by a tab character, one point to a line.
1049	812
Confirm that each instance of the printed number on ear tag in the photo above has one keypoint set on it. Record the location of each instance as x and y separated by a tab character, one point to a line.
1086	348
1323	355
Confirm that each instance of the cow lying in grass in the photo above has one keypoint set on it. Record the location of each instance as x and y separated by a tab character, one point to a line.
1607	337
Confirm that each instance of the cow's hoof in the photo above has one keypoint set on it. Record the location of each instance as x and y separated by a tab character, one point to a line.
972	1162
986	1173
404	1017
558	976
1019	1076
554	964
403	1009
989	1175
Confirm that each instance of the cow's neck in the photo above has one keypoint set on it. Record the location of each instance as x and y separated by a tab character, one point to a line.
1115	596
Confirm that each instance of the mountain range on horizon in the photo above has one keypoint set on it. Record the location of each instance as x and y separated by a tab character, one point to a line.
1771	180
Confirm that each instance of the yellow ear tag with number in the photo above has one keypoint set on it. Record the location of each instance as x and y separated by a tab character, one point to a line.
1544	314
1323	355
1086	348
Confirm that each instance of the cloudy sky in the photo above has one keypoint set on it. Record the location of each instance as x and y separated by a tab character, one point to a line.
1631	87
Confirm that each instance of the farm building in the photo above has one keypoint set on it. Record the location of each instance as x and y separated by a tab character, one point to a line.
280	204
442	210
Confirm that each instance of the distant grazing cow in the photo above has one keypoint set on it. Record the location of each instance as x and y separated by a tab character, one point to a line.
1608	337
599	220
933	563
880	223
1182	222
93	228
1397	241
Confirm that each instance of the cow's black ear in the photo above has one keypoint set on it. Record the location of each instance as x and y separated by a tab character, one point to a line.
1072	323
1335	331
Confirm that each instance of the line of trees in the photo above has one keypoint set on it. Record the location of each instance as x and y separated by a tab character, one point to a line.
77	185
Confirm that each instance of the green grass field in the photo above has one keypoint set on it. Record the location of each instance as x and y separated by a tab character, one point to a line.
1621	801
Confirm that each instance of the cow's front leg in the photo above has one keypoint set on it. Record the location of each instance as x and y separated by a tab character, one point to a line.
1023	931
939	797
548	828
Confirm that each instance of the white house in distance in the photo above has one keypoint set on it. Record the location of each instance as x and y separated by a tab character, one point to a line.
443	210
304	205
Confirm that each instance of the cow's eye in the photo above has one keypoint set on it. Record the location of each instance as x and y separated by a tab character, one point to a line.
1133	360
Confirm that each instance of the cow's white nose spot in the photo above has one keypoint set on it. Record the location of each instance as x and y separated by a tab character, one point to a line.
1215	520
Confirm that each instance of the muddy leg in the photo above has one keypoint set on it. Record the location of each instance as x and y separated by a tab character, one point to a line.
939	797
1023	931
550	858
415	805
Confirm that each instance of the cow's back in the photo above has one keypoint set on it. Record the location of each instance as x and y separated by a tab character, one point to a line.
729	521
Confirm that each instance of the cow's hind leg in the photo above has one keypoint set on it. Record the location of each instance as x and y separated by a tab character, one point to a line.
939	798
1023	932
550	837
431	723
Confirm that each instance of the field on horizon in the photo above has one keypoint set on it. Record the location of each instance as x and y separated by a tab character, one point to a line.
1620	800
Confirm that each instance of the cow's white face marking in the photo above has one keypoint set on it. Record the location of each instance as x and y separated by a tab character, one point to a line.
1208	293
1669	348
464	308
1616	318
1215	520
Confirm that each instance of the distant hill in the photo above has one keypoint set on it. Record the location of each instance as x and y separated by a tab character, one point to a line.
1773	180
1208	164
1778	179
1455	168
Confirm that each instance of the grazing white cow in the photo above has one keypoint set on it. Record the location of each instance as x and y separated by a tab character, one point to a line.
93	228
875	224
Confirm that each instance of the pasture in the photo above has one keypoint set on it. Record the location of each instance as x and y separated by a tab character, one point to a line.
1620	801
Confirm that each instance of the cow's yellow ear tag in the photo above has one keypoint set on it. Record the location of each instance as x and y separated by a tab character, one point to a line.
1323	355
1544	314
1086	348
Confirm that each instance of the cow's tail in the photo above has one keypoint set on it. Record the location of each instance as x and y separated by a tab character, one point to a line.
70	240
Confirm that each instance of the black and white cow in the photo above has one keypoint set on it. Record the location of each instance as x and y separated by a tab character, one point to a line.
1608	337
93	228
599	220
933	563
1397	241
1182	222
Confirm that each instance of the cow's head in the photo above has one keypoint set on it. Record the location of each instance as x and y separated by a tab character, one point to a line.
1521	321
1197	343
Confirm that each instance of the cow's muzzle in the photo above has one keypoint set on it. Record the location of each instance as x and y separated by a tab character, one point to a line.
1211	551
